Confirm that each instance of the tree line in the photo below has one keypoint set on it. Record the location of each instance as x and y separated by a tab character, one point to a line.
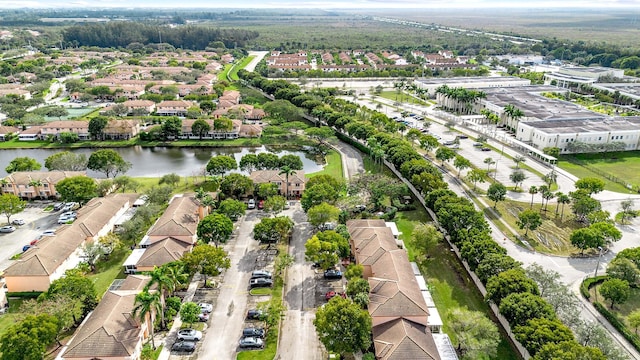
534	322
121	34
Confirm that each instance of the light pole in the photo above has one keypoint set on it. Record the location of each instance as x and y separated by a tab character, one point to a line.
595	274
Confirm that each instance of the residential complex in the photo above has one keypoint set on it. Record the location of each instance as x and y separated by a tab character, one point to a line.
35	184
293	188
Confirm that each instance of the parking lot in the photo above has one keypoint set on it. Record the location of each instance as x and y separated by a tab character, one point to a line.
36	222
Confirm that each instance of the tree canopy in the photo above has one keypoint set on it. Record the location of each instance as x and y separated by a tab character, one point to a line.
77	188
216	228
23	164
343	327
109	162
66	161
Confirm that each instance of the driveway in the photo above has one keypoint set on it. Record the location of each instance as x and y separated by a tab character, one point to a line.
227	319
36	221
298	338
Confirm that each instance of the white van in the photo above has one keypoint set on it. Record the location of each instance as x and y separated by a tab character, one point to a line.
251	204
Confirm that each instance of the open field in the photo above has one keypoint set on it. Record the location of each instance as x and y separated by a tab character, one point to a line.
552	237
333	166
623	165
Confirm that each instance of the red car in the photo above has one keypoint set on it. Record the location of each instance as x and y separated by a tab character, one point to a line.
260	204
331	294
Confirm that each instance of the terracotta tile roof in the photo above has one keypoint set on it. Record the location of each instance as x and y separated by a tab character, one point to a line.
163	251
180	221
175	104
403	340
369	244
138	103
362	223
263	176
50	252
8	129
50	177
110	331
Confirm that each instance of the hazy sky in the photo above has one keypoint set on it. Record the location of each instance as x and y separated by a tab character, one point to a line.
344	4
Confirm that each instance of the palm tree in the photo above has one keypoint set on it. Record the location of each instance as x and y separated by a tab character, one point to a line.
562	199
286	171
533	190
161	277
542	189
489	161
519	159
147	303
36	185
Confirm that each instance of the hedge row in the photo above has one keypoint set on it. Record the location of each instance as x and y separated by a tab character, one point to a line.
619	325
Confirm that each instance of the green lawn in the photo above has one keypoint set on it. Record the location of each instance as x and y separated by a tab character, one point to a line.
401	97
623	165
333	166
186	184
107	271
11	317
621	311
241	65
222	76
447	279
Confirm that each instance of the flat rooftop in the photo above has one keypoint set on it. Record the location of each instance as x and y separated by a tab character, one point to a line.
632	89
481	80
590	69
529	99
587	125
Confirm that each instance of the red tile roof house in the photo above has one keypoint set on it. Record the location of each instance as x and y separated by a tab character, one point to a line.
173	107
232	97
245	112
30	134
187	132
398	310
147	105
53	255
121	129
295	187
20	183
112	331
55	128
172	235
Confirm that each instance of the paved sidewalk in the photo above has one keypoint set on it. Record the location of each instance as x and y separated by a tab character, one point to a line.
167	339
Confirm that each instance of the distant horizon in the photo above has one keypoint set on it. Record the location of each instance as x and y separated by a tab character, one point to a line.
328	5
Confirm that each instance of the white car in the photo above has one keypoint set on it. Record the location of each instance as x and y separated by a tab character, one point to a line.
189	334
7	229
251	204
17	222
206	308
49	233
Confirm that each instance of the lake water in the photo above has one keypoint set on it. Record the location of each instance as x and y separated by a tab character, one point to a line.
158	161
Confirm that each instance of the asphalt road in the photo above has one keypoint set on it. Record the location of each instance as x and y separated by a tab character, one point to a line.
298	338
227	319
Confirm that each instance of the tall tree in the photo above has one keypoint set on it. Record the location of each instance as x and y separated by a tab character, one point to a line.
496	192
66	161
232	208
323	213
517	177
477	336
590	185
10	205
461	163
146	306
23	164
166	279
236	185
171	128
476	176
200	128
509	282
533	190
423	238
218	165
615	290
109	162
79	189
29	339
207	260
286	170
216	228
343	327
529	220
517	308
97	126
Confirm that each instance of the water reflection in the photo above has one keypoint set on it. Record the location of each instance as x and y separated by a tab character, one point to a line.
155	162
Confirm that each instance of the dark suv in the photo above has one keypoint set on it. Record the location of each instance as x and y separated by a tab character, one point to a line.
333	274
255	314
260	282
258	274
253	332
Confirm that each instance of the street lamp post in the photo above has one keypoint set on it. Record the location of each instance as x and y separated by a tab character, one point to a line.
595	274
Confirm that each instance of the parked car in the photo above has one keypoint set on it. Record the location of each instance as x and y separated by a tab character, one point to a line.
70	206
260	204
49	232
189	334
203	317
333	274
253	332
330	294
462	137
206	308
184	346
251	342
33	242
66	219
255	314
251	204
328	226
7	229
260	282
485	149
261	274
478	144
26	247
58	206
17	222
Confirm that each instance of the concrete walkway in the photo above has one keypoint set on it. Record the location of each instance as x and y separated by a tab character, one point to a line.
168	338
